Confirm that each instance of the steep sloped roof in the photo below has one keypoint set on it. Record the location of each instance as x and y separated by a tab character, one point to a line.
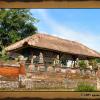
54	43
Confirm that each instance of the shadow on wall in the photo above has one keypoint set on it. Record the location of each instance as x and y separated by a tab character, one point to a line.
45	0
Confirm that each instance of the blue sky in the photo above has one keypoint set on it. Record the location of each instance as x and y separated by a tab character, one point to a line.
81	25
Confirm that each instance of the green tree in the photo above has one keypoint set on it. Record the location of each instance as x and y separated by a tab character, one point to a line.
15	24
3	55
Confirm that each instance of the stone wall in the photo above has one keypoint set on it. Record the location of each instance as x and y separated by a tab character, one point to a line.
9	84
54	84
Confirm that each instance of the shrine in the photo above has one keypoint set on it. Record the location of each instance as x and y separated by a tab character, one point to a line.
45	52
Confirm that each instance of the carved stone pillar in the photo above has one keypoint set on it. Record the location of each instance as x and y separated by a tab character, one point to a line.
32	67
98	83
98	79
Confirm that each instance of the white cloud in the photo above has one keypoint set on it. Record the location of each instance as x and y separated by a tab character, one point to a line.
65	32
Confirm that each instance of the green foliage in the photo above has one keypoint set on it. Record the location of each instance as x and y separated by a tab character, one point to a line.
4	56
15	24
98	60
93	62
63	62
84	87
82	64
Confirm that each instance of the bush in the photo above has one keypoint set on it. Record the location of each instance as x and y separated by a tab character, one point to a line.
84	87
82	64
3	55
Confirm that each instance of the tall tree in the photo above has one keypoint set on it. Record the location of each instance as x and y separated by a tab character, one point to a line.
15	24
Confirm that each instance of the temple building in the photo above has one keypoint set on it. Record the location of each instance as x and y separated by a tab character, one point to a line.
44	50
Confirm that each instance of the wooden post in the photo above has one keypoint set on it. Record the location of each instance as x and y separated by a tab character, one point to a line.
32	59
74	64
66	62
77	62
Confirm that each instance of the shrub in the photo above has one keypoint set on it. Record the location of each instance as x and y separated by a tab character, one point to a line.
84	87
3	55
82	64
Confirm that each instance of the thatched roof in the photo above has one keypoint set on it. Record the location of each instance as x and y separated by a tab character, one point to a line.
54	43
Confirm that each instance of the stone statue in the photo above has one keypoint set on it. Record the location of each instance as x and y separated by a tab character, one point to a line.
41	66
41	58
32	60
56	61
22	59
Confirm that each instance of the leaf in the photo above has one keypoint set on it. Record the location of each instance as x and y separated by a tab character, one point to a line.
15	24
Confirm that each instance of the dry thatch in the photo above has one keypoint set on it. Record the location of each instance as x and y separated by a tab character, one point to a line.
54	43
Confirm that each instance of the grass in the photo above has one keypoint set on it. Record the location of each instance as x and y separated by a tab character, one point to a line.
85	87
